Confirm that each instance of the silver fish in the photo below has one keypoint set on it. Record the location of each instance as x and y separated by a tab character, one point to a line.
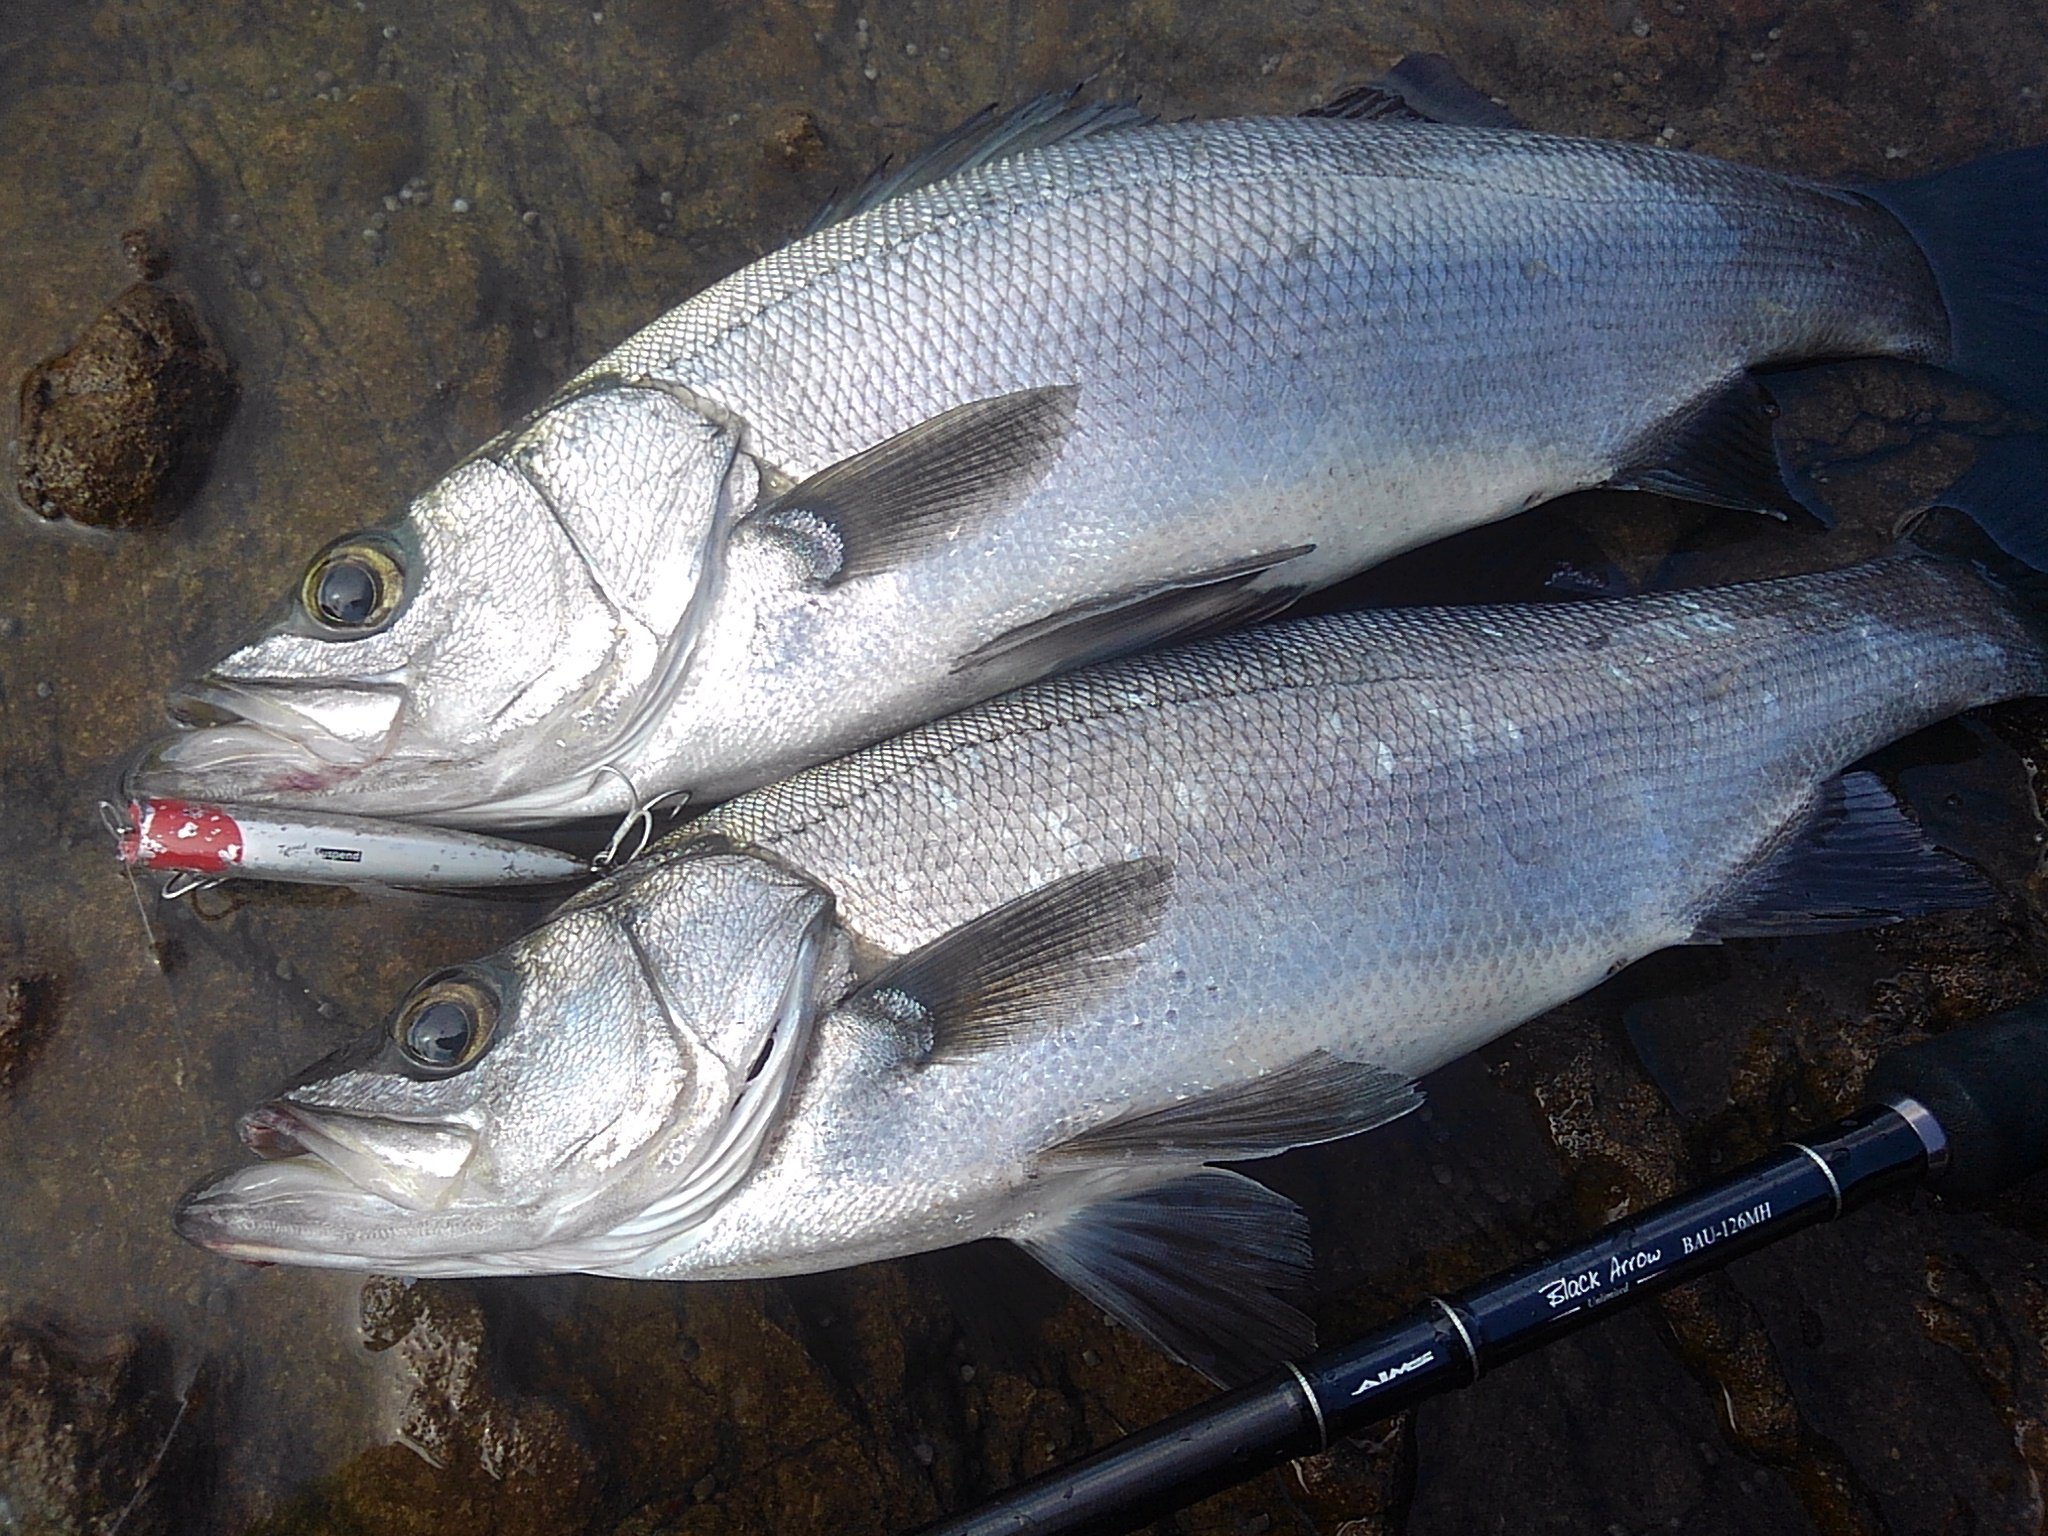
1111	384
1025	971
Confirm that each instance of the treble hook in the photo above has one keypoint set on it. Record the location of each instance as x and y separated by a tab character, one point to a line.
187	882
641	816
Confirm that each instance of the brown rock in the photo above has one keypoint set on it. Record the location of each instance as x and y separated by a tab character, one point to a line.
28	1017
86	1428
1363	1483
118	431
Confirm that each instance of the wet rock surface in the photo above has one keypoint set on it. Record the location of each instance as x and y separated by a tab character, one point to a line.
406	224
94	1439
117	431
29	1004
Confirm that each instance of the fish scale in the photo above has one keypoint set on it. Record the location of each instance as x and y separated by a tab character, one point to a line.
1569	788
1311	342
1025	971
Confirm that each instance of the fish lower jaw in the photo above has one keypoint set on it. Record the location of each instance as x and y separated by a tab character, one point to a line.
286	1211
302	1211
241	763
261	771
578	796
245	765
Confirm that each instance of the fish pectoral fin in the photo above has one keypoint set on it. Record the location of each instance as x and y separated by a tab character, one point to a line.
1857	861
1318	1098
1053	118
1422	88
1723	451
1164	613
927	486
1201	1267
1029	965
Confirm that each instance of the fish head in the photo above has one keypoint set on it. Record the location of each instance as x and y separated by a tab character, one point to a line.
496	642
566	1104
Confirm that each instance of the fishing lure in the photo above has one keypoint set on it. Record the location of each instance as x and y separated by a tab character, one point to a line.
197	844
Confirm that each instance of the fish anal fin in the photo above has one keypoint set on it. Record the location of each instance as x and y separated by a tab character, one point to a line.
1053	118
1857	861
1318	1098
1171	612
926	486
1029	965
1200	1267
1422	88
1724	452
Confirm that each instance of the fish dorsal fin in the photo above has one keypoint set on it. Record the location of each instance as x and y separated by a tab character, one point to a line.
1857	861
924	487
1724	452
1028	965
1053	118
1422	88
1140	618
1201	1267
1318	1098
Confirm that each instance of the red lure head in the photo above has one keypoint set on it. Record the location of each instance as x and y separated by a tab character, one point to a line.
178	835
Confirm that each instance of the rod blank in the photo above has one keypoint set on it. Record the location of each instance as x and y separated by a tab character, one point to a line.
1966	1111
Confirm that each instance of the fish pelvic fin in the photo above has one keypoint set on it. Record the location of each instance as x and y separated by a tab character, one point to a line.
1029	965
1053	118
921	489
1164	613
1724	452
1983	229
1318	1098
1201	1267
1857	860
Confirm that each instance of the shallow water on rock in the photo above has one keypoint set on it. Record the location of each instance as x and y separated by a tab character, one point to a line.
404	223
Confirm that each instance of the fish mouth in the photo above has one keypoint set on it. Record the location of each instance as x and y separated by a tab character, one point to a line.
415	1165
340	1191
280	744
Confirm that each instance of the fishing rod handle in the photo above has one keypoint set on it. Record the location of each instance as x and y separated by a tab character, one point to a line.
1986	1084
1966	1110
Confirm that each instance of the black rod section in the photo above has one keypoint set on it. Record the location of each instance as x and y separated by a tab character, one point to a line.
1984	1089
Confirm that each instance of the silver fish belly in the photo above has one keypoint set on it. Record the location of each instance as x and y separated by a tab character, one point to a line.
1088	398
1026	971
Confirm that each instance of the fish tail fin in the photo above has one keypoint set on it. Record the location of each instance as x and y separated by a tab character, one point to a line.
2004	501
1995	517
1983	228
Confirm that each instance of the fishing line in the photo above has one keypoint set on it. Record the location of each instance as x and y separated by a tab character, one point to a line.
156	1462
114	822
111	819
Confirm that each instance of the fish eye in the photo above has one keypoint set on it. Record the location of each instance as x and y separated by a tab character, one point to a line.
446	1024
354	585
